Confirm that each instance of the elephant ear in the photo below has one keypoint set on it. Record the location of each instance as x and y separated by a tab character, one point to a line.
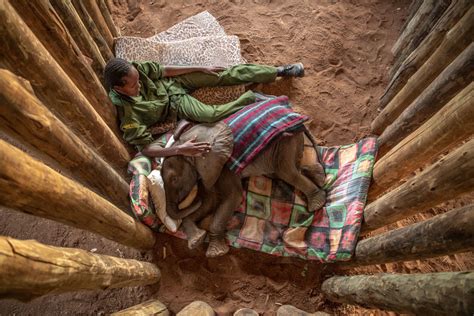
209	166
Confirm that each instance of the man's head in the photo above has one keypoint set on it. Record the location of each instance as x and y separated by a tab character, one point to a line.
121	76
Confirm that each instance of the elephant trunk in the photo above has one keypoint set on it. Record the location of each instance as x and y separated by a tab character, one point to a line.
175	213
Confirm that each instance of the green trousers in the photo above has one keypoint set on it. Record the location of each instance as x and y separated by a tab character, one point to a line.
190	108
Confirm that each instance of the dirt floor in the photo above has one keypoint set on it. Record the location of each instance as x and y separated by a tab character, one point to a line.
345	47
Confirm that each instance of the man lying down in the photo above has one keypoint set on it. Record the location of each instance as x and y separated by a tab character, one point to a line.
210	159
147	93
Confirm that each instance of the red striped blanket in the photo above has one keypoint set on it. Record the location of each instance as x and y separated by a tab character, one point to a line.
256	125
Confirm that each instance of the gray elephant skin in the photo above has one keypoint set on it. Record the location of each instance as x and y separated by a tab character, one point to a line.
220	190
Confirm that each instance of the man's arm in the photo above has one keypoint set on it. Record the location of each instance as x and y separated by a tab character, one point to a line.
189	148
136	134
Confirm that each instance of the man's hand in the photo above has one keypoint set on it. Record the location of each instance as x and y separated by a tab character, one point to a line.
213	70
193	148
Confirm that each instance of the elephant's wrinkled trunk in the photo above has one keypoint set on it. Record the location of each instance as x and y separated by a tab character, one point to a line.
175	213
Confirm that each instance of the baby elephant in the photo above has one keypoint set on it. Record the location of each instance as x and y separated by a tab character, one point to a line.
220	189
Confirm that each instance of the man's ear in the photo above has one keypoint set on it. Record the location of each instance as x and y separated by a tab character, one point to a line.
119	89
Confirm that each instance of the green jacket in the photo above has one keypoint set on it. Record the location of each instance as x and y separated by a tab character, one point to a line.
138	114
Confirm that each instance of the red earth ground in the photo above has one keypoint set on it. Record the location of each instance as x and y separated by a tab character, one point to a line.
345	47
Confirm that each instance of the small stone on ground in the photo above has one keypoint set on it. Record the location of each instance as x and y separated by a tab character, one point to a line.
197	308
288	310
245	312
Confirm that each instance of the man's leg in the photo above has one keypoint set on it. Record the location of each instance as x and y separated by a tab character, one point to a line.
240	74
193	109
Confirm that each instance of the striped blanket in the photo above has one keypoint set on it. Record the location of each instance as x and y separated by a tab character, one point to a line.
255	126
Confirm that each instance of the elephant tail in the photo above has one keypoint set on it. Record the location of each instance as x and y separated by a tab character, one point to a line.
311	138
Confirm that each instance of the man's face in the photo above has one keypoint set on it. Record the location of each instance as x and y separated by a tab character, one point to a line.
131	87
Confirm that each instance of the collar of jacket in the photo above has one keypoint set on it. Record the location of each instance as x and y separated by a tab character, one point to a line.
118	99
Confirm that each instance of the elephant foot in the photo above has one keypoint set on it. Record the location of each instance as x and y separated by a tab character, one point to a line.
318	201
217	247
196	239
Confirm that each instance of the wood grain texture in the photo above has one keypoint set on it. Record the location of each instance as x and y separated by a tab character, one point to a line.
93	30
31	187
445	234
456	41
95	13
47	26
29	269
444	293
455	77
23	54
24	116
448	178
108	18
416	59
418	28
79	33
446	129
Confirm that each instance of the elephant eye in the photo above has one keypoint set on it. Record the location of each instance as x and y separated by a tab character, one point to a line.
174	180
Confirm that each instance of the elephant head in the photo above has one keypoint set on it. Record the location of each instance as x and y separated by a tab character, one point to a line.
180	174
179	178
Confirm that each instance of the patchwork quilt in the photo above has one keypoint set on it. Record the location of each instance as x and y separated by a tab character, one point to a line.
273	217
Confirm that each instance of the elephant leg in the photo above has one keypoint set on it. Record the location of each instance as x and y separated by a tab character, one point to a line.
316	197
287	159
315	173
196	235
229	187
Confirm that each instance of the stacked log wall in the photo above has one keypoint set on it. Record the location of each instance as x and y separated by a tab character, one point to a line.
426	158
54	102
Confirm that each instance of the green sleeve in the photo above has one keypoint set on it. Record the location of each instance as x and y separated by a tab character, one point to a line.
136	134
151	69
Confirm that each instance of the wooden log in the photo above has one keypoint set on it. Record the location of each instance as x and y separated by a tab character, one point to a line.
109	5
92	7
31	187
455	41
454	44
29	269
452	124
151	307
79	33
417	58
23	115
93	30
412	9
453	79
419	26
421	294
26	56
445	234
45	23
448	178
108	18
